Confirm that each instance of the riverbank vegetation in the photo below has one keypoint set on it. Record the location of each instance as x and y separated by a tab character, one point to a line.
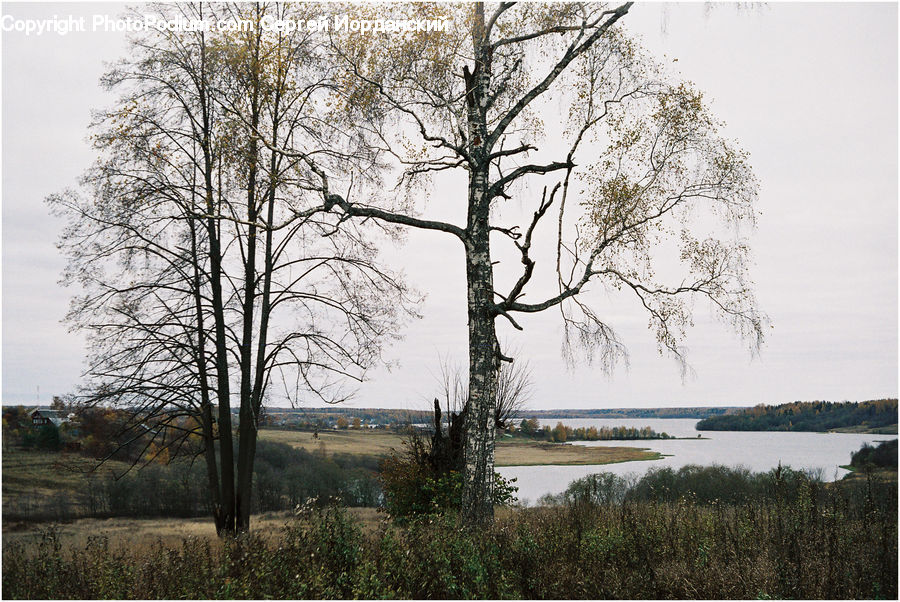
676	534
881	457
876	416
561	433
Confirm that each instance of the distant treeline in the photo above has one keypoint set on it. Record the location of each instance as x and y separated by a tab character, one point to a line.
697	413
306	417
818	416
562	433
393	416
273	416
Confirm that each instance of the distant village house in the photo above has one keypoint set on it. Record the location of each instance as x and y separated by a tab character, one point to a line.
43	417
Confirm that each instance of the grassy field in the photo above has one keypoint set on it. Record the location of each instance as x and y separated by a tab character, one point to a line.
787	537
39	472
38	481
355	442
136	534
33	470
508	453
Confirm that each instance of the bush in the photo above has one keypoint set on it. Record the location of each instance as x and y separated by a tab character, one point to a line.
47	437
720	484
598	489
882	456
412	485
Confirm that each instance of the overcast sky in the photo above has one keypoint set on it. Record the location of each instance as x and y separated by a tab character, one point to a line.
810	90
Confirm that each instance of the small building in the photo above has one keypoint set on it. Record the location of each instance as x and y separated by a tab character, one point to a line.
44	417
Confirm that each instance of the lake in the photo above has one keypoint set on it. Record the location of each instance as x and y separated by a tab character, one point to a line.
756	450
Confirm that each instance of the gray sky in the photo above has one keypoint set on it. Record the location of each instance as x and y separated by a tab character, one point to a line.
810	90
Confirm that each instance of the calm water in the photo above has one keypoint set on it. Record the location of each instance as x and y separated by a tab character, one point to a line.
758	451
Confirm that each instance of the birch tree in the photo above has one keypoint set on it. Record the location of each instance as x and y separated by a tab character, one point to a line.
625	178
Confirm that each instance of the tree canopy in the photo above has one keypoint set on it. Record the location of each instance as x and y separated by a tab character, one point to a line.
210	275
554	107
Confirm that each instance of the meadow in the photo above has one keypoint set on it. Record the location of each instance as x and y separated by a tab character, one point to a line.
789	537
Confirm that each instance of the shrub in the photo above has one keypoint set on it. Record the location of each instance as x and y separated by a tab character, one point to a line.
413	485
719	484
600	489
47	437
882	456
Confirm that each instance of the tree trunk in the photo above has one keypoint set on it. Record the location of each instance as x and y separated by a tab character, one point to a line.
478	454
206	418
252	381
478	472
226	450
223	512
248	426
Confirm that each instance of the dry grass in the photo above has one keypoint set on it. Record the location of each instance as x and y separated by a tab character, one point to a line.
140	535
40	472
355	442
532	453
789	549
40	481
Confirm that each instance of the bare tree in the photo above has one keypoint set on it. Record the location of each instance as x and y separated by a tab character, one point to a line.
514	383
641	159
446	452
208	265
